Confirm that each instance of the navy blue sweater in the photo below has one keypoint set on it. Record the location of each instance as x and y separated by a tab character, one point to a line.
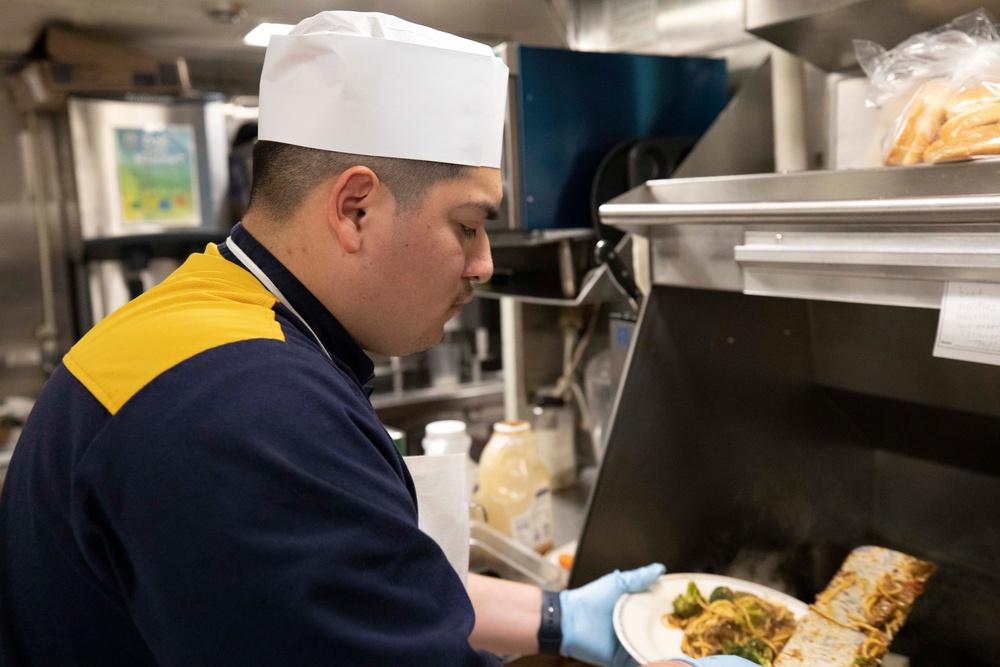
199	484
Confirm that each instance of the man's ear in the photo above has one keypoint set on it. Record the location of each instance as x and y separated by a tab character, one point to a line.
351	192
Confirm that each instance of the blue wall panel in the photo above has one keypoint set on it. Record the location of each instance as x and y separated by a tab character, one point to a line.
575	106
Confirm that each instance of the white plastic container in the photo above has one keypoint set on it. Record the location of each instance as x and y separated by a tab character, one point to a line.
515	488
450	436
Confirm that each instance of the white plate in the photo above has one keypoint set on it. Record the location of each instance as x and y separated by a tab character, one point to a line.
637	615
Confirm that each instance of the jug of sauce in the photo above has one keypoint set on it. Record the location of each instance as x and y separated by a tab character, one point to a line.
515	487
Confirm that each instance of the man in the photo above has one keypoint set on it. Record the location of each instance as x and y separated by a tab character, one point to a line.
204	481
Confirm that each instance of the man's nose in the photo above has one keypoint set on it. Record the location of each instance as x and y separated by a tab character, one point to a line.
479	268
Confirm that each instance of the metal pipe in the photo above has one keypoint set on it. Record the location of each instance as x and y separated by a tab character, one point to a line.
396	366
47	332
567	275
515	397
899	210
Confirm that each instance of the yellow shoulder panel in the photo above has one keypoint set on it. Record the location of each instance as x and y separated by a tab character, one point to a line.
207	302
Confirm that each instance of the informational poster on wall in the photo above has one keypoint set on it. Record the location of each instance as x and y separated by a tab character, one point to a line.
157	175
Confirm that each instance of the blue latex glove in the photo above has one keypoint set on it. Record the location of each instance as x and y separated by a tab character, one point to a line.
587	631
711	661
717	661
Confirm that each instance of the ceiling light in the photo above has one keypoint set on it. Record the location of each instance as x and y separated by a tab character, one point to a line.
261	35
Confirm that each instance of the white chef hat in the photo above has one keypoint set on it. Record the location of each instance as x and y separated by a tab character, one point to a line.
373	84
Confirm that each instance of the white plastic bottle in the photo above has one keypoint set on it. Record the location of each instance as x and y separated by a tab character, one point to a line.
515	488
450	436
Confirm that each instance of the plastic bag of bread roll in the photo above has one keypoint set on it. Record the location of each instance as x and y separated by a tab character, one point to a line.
947	82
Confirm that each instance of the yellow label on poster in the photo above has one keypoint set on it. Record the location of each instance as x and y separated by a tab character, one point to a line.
156	175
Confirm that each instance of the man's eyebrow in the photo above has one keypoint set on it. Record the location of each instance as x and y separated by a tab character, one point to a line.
490	212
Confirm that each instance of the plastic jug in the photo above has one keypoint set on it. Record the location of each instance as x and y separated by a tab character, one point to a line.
599	387
515	488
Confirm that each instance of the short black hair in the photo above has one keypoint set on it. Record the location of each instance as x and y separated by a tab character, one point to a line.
284	175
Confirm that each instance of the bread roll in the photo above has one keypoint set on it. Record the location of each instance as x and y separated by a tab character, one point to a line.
981	115
980	140
973	99
921	123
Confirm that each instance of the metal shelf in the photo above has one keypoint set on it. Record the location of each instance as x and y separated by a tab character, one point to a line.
597	287
964	192
550	288
889	236
389	399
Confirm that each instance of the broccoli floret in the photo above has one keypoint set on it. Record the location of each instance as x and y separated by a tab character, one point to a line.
861	661
755	616
754	650
721	593
688	604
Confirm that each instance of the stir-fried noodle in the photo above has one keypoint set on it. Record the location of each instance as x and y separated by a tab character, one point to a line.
732	623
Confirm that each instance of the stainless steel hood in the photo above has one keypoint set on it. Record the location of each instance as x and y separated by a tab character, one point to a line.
822	31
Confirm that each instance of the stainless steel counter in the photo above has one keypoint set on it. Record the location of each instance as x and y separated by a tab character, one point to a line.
569	507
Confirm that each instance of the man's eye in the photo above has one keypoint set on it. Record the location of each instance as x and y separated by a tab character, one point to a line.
469	231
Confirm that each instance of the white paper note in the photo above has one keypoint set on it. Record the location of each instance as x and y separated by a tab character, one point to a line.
969	324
